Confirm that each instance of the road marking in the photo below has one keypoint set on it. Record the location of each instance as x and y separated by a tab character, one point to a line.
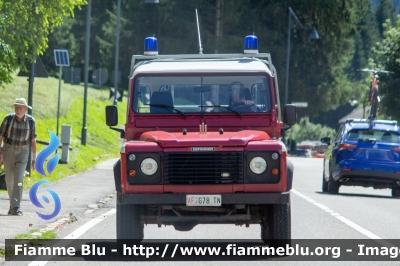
79	232
344	220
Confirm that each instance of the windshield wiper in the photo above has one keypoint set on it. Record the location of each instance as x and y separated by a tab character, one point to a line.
223	107
166	107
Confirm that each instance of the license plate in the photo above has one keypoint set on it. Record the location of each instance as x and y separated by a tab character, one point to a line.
203	200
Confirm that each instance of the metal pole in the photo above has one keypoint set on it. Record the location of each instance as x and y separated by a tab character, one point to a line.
30	103
117	54
59	96
83	137
198	34
291	13
288	58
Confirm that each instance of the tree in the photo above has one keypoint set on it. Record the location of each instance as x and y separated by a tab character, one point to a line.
388	54
318	71
365	40
384	12
24	29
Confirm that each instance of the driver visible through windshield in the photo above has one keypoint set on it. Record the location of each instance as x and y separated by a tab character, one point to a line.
201	94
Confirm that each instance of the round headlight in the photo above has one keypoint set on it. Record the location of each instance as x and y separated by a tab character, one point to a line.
149	166
258	165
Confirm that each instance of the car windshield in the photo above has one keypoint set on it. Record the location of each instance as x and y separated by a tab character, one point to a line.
184	94
373	135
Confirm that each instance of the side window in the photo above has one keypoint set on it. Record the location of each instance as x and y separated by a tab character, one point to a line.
143	98
339	134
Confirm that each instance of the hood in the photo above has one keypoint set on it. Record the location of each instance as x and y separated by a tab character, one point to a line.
177	139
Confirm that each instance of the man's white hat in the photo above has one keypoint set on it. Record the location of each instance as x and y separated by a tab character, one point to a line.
21	101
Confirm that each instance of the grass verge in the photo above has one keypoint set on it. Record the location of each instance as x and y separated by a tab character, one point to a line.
47	235
31	239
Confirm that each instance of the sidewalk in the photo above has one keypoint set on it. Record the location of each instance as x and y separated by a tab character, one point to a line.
79	194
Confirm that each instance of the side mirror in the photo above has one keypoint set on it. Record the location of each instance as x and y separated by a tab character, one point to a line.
111	115
289	116
326	140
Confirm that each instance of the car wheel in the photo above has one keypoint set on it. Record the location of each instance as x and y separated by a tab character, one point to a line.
395	192
129	227
333	186
324	183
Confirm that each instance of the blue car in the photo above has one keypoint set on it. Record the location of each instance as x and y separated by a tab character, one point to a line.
364	153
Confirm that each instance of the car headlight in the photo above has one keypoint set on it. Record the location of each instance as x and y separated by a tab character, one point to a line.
149	166
258	165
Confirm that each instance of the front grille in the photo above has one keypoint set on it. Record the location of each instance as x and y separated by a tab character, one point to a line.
203	168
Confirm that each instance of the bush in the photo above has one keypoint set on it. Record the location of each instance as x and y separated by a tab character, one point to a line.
305	130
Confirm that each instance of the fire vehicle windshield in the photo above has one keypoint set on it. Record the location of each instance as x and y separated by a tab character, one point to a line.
174	94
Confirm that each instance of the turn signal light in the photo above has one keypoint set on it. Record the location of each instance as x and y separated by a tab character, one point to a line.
275	171
397	149
347	147
132	172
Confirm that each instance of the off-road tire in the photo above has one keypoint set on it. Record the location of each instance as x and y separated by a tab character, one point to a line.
374	104
374	110
279	225
264	223
129	226
395	192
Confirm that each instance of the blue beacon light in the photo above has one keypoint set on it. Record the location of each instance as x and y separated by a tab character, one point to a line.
150	46
251	44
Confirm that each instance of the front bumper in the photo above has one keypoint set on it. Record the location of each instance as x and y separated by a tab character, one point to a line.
180	199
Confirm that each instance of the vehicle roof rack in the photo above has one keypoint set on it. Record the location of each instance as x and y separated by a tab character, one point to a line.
181	57
372	121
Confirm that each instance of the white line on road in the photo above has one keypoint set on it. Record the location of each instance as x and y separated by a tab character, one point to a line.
84	228
343	219
79	232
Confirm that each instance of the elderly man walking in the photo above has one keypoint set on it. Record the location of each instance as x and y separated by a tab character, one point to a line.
18	133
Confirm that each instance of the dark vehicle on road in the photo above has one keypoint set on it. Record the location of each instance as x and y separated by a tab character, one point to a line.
364	153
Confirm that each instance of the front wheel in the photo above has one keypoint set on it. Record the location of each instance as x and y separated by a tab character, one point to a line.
129	226
279	226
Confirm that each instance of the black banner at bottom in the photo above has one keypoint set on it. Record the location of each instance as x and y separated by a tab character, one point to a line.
203	250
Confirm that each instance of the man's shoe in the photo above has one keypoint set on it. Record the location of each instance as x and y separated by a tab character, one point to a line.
16	212
9	211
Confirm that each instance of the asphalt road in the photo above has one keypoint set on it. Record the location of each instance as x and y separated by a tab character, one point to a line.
355	213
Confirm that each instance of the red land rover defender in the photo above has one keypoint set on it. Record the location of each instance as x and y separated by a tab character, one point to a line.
203	145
